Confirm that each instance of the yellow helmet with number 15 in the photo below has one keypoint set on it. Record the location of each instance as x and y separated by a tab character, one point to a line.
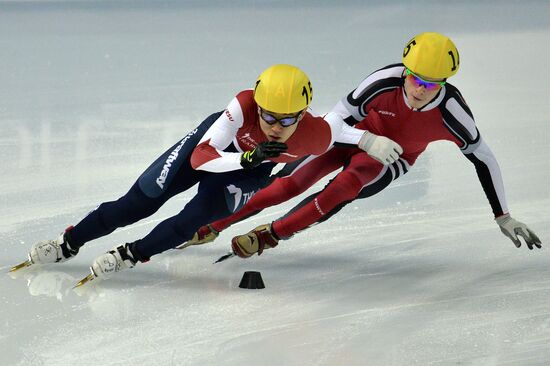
431	55
283	89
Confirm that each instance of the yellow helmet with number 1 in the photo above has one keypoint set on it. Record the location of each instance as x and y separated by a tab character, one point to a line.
283	89
431	55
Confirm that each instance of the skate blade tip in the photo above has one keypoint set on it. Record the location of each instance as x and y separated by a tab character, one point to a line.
225	257
187	245
26	263
85	280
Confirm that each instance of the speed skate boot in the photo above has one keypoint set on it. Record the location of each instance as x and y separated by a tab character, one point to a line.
255	241
105	265
50	251
114	260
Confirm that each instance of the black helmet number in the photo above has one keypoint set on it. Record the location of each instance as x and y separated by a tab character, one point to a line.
306	94
455	62
408	47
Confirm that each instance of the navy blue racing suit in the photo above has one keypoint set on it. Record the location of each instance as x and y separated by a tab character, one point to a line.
218	196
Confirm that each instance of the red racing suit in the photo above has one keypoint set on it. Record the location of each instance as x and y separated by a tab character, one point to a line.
238	130
379	105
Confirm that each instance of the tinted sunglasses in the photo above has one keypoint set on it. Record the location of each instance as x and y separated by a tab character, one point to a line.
418	81
285	121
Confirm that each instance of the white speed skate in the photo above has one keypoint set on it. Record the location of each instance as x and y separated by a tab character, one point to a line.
115	260
49	251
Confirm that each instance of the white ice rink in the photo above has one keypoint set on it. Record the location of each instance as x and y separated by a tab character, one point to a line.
92	92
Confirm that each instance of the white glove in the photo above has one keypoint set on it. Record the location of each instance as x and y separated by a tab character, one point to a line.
512	228
381	148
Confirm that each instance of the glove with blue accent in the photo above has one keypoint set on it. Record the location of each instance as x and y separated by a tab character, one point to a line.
512	228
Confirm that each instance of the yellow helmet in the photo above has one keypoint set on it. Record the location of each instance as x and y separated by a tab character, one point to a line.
432	55
283	89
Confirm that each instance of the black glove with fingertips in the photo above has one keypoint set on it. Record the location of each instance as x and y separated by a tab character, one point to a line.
269	149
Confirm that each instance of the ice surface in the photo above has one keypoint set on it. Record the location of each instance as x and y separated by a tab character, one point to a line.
92	92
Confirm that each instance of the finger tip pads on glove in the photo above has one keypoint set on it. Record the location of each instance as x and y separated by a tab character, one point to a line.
237	249
531	239
273	149
534	244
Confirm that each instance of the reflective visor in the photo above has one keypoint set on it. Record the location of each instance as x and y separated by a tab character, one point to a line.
418	81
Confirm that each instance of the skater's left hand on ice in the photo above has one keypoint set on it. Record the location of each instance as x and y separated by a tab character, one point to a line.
255	241
205	234
512	228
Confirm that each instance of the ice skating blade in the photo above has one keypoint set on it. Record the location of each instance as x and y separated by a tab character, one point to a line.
224	257
184	245
85	280
26	263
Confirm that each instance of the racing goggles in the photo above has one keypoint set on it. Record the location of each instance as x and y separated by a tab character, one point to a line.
418	81
284	121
